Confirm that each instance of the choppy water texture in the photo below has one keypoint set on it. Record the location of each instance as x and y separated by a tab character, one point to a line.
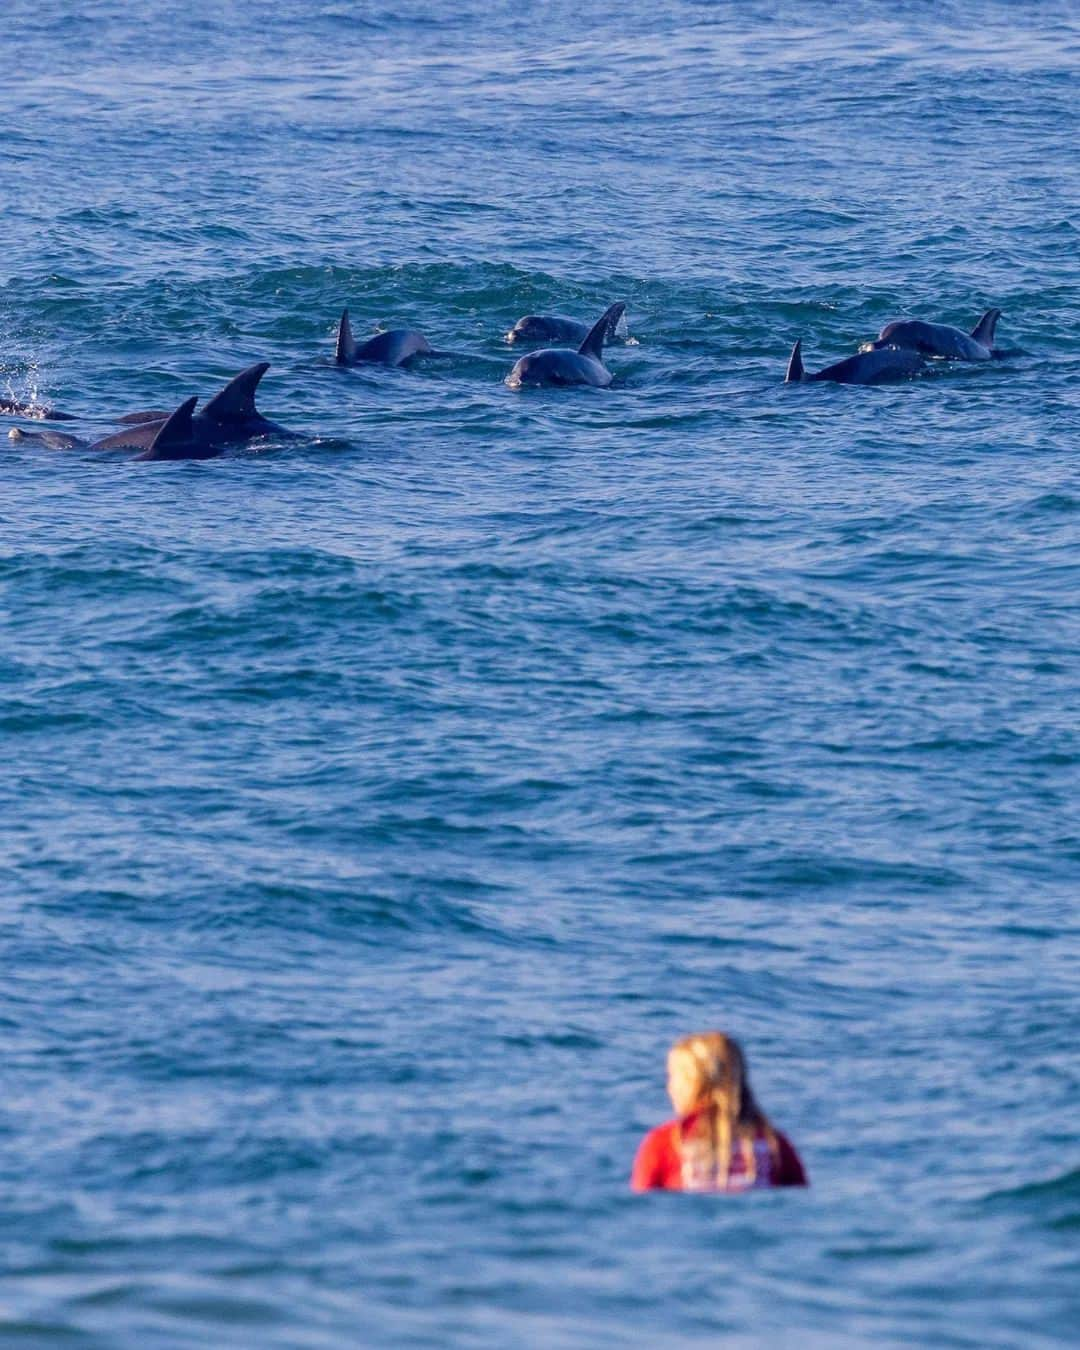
378	807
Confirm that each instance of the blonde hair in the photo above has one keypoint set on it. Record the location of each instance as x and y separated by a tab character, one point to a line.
725	1115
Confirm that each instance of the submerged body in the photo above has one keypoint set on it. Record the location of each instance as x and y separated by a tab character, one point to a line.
229	418
662	1162
941	339
875	366
394	348
563	365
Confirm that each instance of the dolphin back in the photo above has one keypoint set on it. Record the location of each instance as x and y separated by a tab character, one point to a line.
941	339
134	436
137	418
873	367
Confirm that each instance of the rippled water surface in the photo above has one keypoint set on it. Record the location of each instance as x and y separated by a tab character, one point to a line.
379	805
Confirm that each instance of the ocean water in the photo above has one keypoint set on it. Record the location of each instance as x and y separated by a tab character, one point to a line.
378	806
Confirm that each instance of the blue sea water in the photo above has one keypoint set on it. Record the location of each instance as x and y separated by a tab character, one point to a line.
377	807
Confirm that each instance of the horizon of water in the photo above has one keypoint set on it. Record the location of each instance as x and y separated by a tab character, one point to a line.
381	804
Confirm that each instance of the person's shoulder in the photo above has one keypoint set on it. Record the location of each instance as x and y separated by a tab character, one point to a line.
660	1137
653	1160
664	1131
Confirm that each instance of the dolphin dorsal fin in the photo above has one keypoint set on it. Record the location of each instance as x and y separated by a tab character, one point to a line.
594	344
176	431
795	371
984	330
237	399
346	343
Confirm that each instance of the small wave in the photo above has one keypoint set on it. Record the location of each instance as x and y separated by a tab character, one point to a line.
1053	1203
1063	1187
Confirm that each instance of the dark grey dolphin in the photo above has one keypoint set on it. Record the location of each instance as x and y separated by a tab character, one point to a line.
14	408
548	328
865	367
940	339
557	328
55	440
394	348
230	418
562	365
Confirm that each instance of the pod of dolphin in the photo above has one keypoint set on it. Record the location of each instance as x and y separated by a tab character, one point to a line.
901	350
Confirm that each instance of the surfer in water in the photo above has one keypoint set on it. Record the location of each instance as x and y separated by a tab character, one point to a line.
721	1140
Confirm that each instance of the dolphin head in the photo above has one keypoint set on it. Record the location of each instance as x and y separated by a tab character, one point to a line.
527	370
912	334
890	336
545	328
552	365
526	329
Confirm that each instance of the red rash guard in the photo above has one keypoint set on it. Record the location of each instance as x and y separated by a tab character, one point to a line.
658	1165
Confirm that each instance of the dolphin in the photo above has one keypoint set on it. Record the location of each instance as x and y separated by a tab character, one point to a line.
13	408
940	339
865	367
557	328
229	418
548	328
562	365
184	435
59	440
394	348
55	440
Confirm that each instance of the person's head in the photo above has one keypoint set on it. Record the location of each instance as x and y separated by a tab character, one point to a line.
704	1068
710	1091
